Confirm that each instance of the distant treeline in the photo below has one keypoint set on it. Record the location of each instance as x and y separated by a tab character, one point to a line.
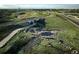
59	10
5	13
67	10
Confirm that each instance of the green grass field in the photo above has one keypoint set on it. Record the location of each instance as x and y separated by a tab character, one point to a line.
68	33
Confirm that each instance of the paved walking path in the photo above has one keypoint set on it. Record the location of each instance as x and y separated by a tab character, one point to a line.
6	39
68	19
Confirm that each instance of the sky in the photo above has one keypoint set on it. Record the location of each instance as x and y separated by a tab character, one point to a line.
39	2
40	6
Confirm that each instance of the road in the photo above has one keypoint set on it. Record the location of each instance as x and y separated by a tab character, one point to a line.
6	39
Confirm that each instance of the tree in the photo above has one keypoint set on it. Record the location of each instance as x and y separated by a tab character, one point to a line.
41	22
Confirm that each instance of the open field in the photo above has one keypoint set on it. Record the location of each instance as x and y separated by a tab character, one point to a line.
68	34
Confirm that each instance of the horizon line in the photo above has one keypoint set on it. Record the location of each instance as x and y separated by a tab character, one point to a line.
40	6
